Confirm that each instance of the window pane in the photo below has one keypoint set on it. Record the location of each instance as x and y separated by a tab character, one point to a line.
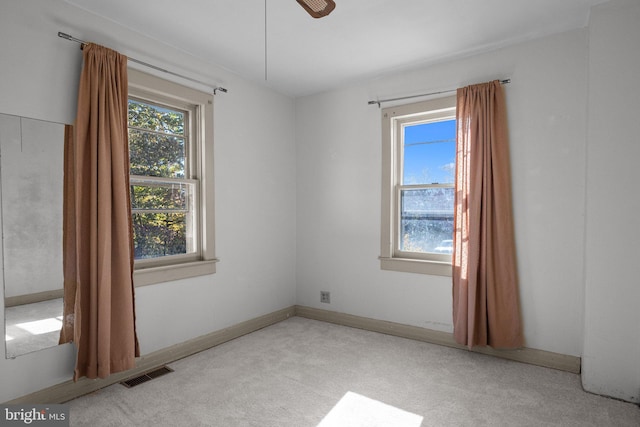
159	234
156	118
153	154
159	196
156	140
426	220
162	218
429	153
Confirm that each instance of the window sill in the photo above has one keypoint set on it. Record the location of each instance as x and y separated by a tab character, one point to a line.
167	273
407	265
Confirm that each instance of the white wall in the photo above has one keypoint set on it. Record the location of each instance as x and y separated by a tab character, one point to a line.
254	172
611	359
339	162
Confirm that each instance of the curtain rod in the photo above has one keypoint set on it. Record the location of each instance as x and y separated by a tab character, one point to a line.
146	64
380	101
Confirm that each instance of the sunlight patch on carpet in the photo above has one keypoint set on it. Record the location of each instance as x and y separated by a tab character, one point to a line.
355	410
43	326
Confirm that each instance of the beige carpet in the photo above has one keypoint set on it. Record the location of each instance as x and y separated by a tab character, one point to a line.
302	372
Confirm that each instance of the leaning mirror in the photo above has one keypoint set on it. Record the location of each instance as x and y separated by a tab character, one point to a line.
31	183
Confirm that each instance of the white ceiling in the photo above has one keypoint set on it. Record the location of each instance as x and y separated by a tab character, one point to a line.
360	39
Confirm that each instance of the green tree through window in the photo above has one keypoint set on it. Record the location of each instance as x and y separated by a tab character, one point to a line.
160	194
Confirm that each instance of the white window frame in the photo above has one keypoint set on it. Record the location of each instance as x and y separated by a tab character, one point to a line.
393	119
149	88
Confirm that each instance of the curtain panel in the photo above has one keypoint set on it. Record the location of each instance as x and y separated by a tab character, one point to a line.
486	309
99	312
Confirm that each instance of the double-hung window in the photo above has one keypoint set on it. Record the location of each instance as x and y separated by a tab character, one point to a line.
419	151
171	179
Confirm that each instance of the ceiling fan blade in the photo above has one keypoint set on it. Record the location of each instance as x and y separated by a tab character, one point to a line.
317	8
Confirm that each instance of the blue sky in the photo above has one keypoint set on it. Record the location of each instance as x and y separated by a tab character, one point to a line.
429	153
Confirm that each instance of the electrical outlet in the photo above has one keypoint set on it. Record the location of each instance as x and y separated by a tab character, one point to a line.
325	297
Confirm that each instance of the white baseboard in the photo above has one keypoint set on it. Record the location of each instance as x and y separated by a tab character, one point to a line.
33	298
532	356
69	390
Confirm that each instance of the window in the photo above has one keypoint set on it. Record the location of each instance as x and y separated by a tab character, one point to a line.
171	179
419	151
164	194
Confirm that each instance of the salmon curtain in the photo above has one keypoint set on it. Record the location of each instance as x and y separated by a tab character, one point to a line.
486	308
99	310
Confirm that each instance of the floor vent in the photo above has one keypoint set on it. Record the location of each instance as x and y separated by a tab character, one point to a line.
147	376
